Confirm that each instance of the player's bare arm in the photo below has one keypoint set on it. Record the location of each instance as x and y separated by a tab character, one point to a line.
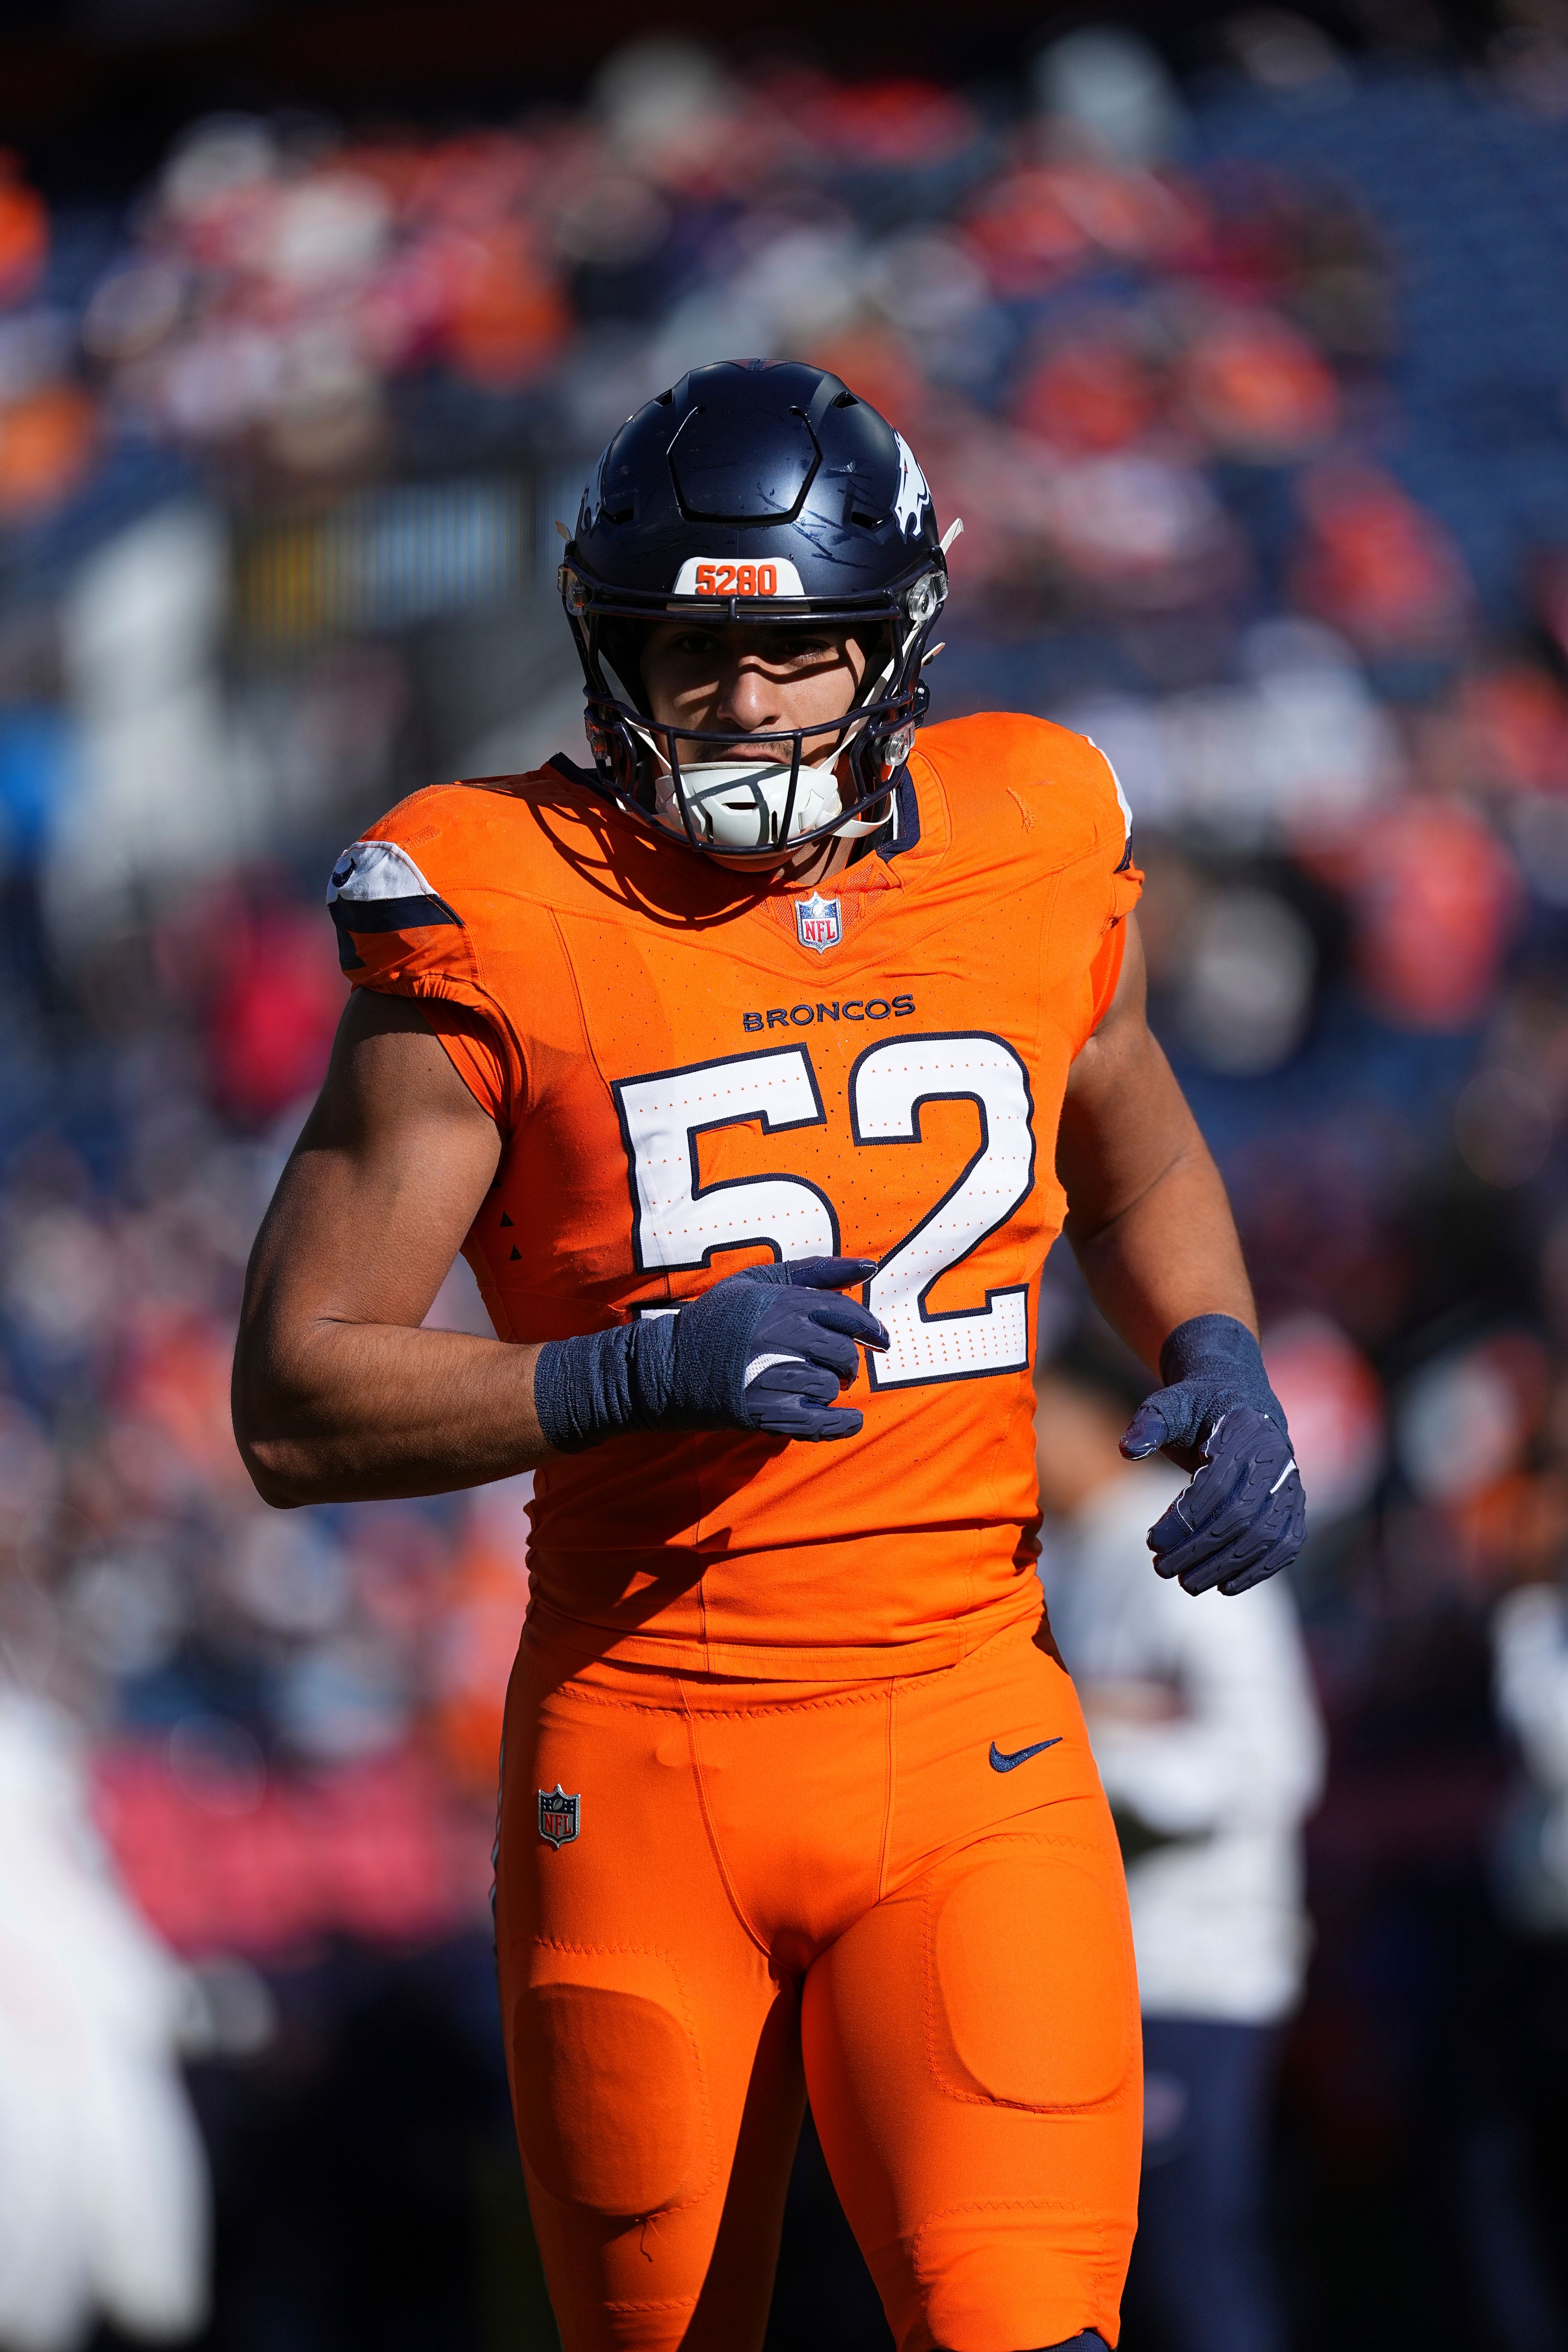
338	1395
1147	1213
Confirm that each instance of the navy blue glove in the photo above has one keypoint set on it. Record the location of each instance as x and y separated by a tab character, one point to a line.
1243	1516
766	1349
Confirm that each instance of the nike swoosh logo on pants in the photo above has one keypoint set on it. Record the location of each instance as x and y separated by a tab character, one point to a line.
1001	1763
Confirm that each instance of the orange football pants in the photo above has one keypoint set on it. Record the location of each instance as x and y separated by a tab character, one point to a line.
783	1887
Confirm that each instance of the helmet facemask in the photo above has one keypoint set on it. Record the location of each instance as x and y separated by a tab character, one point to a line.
830	779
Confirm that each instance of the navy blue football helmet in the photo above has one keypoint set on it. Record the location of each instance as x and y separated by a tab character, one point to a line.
755	492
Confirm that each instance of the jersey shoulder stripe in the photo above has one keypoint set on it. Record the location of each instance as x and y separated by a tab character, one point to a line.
405	897
401	897
436	902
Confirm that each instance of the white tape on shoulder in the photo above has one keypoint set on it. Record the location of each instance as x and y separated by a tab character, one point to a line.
376	869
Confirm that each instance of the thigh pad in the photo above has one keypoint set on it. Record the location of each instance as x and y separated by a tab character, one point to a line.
1030	1994
612	2102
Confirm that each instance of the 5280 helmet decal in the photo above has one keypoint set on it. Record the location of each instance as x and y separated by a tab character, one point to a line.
755	492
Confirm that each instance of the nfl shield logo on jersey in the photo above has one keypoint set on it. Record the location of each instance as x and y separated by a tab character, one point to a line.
559	1815
817	922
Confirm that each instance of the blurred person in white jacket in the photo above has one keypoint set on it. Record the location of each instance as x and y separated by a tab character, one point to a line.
1529	1655
103	2187
1203	1725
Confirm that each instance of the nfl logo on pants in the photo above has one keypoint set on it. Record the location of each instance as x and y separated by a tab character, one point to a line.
559	1815
817	922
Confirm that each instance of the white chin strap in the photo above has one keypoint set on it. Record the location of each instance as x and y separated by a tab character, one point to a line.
741	803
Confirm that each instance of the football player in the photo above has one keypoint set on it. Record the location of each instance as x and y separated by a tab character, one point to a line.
754	1069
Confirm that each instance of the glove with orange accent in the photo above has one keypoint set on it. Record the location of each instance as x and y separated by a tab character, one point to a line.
767	1348
1243	1516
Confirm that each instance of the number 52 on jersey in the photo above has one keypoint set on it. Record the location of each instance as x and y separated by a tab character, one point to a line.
677	1222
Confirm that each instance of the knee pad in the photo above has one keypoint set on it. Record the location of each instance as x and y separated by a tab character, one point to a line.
608	2082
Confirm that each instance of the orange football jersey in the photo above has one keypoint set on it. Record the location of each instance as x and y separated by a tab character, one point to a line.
691	1071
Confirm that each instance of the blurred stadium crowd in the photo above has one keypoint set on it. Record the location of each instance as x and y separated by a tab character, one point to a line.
1251	397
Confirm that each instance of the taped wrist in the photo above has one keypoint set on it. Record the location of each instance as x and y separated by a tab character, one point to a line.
1220	1354
602	1384
685	1371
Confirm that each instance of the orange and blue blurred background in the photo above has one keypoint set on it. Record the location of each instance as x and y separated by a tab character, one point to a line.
1239	341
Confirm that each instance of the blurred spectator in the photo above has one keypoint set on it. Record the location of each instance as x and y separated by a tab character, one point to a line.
1530	1872
1110	91
1377	567
1204	1727
1530	1632
105	2209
